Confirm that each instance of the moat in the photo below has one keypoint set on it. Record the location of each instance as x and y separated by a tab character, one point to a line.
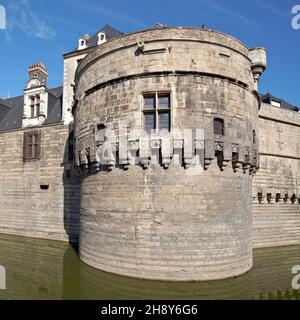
42	269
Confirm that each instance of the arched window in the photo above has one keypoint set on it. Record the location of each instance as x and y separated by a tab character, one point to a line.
219	128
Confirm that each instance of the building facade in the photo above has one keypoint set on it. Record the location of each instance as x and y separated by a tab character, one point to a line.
158	154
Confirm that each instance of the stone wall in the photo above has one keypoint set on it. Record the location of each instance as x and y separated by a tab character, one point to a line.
161	223
28	210
276	190
71	62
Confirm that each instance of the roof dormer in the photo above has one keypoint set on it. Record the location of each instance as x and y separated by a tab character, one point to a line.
101	38
35	110
82	42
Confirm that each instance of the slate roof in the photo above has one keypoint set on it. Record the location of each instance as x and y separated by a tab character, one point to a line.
11	110
267	98
110	32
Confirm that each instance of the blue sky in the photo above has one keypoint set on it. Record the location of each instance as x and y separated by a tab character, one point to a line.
44	30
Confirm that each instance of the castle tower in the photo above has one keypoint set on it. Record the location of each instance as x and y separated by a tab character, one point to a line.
174	204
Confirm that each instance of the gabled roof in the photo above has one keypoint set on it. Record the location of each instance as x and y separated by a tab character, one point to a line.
268	98
11	110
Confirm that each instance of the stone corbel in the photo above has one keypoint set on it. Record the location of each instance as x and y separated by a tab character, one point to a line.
123	146
95	165
199	146
278	198
240	159
166	150
188	147
246	164
145	152
219	146
106	154
252	163
227	154
155	145
261	197
84	160
270	198
257	159
134	146
209	152
133	150
178	144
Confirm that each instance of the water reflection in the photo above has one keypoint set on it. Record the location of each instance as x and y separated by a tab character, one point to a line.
39	269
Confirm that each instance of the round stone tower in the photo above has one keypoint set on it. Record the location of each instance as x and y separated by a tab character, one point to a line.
166	126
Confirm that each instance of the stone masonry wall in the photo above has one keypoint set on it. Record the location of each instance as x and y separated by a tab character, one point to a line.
276	189
25	208
163	223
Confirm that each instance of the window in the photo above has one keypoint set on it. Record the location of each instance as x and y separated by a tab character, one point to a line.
276	103
35	103
157	112
32	142
219	127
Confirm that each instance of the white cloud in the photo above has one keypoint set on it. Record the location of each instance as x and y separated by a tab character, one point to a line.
224	10
22	17
272	8
120	16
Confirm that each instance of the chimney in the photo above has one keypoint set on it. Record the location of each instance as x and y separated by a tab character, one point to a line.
38	71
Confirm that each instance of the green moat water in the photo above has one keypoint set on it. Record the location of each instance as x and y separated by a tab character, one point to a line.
41	269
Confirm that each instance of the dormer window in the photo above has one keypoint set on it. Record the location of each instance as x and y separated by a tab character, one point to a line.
82	44
101	38
35	97
276	103
35	104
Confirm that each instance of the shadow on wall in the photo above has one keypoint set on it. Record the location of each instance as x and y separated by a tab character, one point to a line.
72	200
